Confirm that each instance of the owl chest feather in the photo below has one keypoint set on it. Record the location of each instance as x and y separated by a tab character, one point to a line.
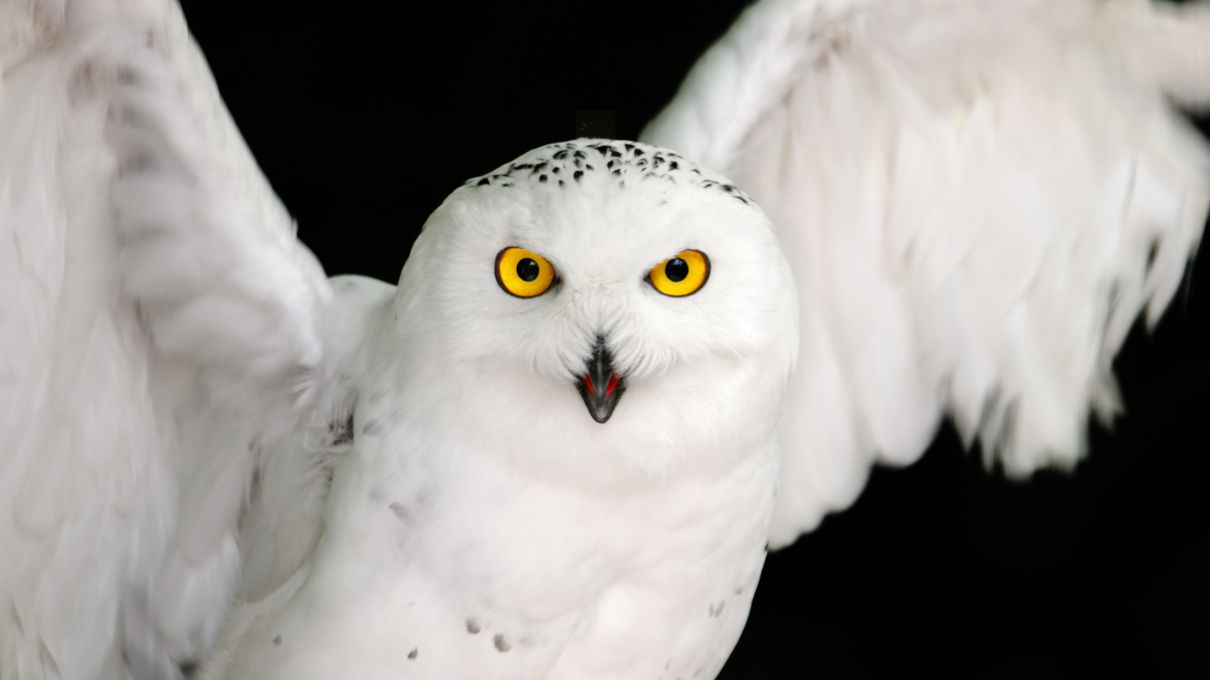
448	564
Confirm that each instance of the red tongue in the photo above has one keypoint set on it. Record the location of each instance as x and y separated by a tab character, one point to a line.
609	388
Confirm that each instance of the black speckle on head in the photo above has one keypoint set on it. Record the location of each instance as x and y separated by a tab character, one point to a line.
500	643
277	640
623	162
414	653
472	626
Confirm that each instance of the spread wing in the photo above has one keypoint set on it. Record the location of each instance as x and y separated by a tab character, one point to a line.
978	199
158	329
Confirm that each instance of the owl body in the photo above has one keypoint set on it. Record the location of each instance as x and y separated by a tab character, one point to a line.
438	582
475	466
552	451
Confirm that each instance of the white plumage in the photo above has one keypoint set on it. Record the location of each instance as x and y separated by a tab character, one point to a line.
976	202
987	194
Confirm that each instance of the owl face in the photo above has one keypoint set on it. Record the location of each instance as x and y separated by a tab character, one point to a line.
610	295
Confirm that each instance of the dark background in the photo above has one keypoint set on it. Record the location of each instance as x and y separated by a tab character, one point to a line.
364	120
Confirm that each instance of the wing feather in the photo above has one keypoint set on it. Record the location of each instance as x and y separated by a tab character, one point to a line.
158	334
978	200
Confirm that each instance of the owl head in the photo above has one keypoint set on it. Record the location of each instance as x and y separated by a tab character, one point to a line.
599	301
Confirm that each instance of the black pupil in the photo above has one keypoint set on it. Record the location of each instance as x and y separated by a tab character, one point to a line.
676	270
528	269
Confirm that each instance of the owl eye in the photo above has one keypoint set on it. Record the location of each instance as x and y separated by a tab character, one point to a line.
681	275
523	273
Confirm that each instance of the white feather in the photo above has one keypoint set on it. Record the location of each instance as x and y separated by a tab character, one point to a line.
157	316
968	194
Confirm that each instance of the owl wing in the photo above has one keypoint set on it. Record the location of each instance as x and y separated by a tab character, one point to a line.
158	331
977	201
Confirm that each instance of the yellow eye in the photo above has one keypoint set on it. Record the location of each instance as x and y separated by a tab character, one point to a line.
682	275
522	273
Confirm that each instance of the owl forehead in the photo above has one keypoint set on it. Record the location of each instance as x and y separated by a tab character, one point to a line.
604	201
584	164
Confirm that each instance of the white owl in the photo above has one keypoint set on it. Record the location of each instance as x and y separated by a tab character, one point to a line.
606	380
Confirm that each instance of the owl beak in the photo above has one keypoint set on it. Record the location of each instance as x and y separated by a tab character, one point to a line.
600	387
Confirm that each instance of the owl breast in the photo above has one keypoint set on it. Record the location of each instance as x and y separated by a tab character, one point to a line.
491	575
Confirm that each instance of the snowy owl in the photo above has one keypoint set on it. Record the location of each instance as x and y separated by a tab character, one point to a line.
609	376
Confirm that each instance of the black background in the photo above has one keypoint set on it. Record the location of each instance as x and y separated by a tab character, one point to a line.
364	119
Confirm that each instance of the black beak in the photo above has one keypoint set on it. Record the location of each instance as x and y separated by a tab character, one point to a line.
600	387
